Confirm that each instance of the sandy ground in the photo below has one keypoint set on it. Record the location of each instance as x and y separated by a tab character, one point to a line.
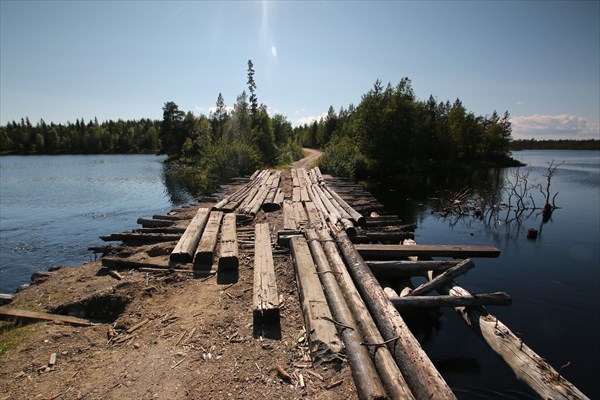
196	340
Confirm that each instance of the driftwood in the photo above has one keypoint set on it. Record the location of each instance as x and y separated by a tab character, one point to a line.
527	365
365	376
418	370
24	315
324	344
265	297
389	251
389	372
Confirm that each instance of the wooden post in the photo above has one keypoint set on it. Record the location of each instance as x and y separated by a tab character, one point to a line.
265	297
208	242
423	379
184	251
365	376
324	343
228	250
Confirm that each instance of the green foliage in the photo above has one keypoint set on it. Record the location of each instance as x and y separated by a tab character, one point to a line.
342	157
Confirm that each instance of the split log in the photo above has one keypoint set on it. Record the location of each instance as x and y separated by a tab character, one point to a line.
418	370
389	251
300	215
480	299
228	249
366	379
289	222
314	218
390	374
265	297
394	269
279	197
527	365
186	247
33	316
208	242
442	279
324	344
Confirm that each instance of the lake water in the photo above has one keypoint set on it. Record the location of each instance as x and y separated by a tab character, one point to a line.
554	281
52	208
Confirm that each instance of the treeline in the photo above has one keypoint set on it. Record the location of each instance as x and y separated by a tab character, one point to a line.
559	144
81	137
391	132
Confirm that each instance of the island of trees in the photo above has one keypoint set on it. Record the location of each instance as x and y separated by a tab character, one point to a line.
390	132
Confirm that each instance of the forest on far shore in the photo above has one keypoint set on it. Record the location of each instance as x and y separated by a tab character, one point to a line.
555	144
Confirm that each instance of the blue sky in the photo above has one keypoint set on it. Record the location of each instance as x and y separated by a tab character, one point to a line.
539	60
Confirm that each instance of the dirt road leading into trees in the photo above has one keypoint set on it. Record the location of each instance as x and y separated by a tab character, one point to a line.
310	157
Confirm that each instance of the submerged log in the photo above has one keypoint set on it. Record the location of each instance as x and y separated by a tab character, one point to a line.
418	370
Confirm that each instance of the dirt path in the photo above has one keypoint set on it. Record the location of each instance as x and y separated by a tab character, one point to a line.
310	157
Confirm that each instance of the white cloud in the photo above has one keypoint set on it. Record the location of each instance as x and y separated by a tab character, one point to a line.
564	126
309	119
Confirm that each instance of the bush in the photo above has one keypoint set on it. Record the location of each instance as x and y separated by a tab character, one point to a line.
342	157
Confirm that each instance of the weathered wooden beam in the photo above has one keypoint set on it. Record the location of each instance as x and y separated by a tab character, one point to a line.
186	247
366	379
208	241
228	248
423	379
390	374
289	222
443	278
391	251
480	299
33	316
265	297
324	343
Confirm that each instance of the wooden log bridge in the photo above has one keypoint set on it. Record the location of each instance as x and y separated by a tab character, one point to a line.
354	267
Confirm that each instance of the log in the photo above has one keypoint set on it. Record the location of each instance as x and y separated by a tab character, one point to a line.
390	374
442	279
34	316
177	230
208	242
367	237
154	223
389	251
186	247
5	298
141	237
324	344
365	375
228	249
423	379
394	269
168	217
355	216
265	297
527	365
279	197
480	299
256	205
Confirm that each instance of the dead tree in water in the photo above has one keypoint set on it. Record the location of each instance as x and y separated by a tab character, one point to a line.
547	212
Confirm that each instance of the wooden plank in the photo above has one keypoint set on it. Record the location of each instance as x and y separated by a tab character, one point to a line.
391	251
228	249
296	194
324	343
300	215
184	251
289	220
304	194
265	297
208	242
314	217
25	315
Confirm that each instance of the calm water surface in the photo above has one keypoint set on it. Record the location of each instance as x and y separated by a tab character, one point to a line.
52	208
554	281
